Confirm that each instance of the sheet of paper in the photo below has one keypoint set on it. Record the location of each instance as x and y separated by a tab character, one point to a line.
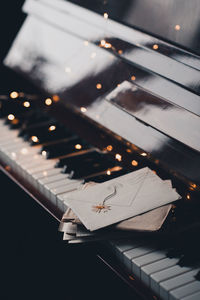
121	198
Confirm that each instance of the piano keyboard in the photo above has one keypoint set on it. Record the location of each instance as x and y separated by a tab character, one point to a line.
57	162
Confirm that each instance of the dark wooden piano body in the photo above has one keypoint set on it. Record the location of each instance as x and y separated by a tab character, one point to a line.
130	80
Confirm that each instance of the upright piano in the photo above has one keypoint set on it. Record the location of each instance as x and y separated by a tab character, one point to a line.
116	88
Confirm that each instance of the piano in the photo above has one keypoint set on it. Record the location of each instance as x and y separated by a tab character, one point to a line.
109	87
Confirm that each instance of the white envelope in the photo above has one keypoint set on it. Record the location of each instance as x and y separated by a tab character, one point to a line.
120	198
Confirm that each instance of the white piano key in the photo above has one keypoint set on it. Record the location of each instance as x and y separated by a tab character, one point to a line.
139	262
133	253
125	245
185	290
168	273
173	283
44	174
159	265
195	296
51	179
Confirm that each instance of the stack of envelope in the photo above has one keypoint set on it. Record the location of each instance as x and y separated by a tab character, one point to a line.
137	201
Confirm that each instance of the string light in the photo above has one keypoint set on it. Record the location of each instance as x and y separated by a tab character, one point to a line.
118	157
34	139
143	154
11	117
134	163
56	98
120	51
133	77
193	186
108	172
155	46
86	43
177	27
188	196
98	86
83	109
102	43
44	153
26	104
105	15
48	101
52	128
109	147
78	146
14	95
128	150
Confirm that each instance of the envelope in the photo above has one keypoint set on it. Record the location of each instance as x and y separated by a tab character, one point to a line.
121	198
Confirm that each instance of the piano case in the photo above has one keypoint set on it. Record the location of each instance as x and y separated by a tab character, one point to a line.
108	76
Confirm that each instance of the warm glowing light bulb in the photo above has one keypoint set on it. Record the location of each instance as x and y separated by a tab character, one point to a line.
103	42
11	117
177	27
26	104
48	101
34	139
78	146
144	154
108	172
109	147
105	15
52	128
44	153
107	45
118	157
83	109
134	163
133	77
120	51
155	46
98	86
56	98
188	196
14	95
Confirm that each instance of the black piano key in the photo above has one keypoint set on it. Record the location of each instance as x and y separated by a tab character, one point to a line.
197	276
107	175
89	163
71	144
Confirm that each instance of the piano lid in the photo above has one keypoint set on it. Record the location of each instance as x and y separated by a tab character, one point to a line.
82	57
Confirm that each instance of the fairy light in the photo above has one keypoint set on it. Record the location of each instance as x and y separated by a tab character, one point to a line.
48	101
52	128
86	43
45	173
44	153
108	172
105	15
134	163
120	51
26	104
11	117
188	196
14	95
98	86
133	78
128	150
83	109
143	154
109	147
155	46
34	139
56	98
177	27
78	146
118	157
102	43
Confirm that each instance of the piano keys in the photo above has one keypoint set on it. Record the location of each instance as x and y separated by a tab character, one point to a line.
83	115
